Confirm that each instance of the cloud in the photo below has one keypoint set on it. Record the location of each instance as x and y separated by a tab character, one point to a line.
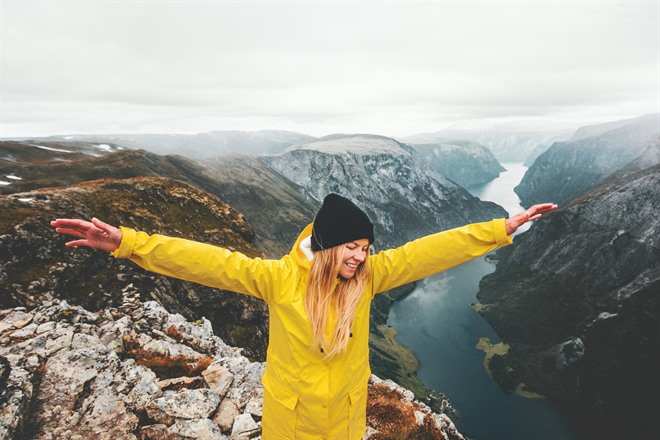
392	68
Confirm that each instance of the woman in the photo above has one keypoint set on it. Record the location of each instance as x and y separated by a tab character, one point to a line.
317	364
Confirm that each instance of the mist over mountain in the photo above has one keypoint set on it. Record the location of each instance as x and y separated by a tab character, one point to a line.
195	146
402	195
508	143
570	168
464	162
577	298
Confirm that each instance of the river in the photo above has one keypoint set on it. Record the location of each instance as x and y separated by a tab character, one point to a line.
437	323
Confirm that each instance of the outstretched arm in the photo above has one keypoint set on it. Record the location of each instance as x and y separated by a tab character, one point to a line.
95	234
512	224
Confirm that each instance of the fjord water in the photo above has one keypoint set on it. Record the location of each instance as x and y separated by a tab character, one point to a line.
437	323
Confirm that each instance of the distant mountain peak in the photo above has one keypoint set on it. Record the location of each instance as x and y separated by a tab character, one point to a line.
354	144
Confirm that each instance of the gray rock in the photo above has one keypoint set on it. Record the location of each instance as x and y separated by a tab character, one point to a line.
200	429
227	412
244	424
176	406
85	390
218	378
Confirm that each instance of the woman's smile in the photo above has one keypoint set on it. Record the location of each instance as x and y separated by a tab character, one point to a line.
355	252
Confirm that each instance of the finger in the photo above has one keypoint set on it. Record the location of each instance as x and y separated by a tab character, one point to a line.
546	207
74	232
76	243
71	223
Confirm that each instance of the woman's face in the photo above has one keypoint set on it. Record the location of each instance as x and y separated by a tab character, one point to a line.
355	252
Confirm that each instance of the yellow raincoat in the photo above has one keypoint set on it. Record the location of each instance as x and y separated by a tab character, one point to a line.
306	395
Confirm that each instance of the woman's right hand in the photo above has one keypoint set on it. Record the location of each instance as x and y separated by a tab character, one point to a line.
95	234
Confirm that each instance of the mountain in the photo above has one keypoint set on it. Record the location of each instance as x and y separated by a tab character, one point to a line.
577	299
402	195
508	144
464	162
196	146
274	206
137	371
568	169
36	267
237	179
25	166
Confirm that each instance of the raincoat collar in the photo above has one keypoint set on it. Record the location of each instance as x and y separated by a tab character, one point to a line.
297	252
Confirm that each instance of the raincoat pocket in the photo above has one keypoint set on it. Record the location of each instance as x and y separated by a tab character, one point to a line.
357	411
279	410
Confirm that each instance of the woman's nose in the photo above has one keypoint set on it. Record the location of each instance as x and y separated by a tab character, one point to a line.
359	256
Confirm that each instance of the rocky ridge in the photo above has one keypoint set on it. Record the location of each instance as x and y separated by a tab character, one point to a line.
139	372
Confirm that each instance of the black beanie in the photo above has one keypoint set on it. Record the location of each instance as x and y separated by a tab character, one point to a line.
339	221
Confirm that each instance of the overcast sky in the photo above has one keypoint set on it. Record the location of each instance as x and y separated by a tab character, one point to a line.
391	68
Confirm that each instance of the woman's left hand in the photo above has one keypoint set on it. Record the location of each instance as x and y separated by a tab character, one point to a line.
512	224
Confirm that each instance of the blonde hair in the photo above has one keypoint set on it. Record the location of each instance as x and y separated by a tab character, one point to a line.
326	291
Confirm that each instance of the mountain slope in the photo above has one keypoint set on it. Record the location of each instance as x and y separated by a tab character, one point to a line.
578	300
274	206
463	162
36	267
568	169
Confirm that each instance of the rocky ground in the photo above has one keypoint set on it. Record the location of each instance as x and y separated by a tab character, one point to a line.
139	372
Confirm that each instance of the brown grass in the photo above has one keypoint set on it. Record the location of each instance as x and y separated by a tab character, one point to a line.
394	419
163	365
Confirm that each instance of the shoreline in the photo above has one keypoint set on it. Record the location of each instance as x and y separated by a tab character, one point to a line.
500	349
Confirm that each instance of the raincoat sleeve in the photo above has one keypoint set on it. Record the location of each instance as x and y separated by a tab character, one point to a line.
201	263
434	253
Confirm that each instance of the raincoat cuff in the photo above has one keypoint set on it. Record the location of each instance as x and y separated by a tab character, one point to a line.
125	249
499	229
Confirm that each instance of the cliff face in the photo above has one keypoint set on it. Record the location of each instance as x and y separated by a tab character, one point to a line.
568	169
403	197
463	162
36	267
139	372
578	300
